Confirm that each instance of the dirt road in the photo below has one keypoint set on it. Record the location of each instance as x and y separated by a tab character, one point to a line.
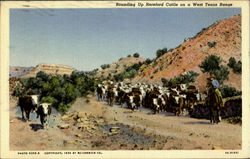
138	130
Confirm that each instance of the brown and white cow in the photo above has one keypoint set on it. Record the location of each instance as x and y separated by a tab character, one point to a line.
28	104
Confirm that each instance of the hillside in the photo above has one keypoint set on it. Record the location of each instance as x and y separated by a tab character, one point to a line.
50	69
16	71
225	34
119	66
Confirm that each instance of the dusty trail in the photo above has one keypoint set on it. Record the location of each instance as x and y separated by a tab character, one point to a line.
139	130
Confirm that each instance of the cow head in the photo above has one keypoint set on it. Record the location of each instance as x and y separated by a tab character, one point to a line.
45	107
35	101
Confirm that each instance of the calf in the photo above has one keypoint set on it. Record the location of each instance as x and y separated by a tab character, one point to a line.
28	103
43	111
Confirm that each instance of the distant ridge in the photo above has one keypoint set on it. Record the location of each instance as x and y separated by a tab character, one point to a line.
50	69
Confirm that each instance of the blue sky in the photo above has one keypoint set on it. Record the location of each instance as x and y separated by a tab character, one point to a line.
87	38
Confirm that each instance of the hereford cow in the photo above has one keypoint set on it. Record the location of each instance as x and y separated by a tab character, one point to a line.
28	103
43	111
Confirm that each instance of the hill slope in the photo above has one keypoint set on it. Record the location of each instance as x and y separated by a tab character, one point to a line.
226	34
16	71
119	66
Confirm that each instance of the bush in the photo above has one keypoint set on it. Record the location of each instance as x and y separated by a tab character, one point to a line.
212	65
161	52
211	44
136	55
129	56
227	91
181	79
222	74
148	61
236	66
17	92
61	91
104	66
158	53
231	62
49	99
63	108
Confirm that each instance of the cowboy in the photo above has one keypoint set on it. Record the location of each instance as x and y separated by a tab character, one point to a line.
214	99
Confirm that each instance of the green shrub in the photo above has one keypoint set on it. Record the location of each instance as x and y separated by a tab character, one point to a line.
181	79
211	44
63	108
237	68
17	91
231	62
161	52
148	61
222	74
61	91
212	65
49	99
136	55
104	66
227	91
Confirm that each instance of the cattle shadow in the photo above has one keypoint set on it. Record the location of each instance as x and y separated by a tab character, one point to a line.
22	119
197	122
36	127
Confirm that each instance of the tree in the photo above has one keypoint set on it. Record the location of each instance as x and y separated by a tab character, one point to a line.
231	62
42	75
161	52
104	66
158	53
136	55
237	67
164	50
212	65
221	74
148	61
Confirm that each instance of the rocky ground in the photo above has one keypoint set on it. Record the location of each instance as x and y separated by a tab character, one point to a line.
93	125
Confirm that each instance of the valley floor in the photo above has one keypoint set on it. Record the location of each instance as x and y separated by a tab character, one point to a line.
138	130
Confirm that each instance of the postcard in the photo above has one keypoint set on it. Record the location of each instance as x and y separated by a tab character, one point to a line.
125	79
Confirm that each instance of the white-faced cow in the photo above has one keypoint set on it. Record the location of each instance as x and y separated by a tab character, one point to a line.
28	103
43	111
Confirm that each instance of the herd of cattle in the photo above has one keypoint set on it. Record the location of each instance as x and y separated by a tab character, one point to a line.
177	99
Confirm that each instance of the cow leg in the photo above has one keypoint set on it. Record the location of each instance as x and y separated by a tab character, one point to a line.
28	115
212	117
22	109
41	119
